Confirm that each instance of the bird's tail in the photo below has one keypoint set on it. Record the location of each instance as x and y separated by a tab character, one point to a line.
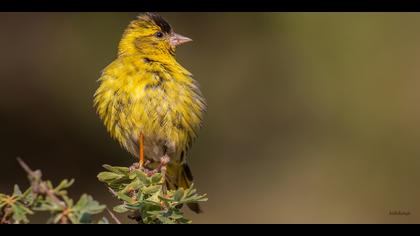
180	176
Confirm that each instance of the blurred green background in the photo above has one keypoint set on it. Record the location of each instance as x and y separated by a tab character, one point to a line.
312	117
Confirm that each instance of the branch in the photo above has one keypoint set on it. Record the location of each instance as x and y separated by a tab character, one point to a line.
112	192
42	196
26	168
144	194
38	185
113	216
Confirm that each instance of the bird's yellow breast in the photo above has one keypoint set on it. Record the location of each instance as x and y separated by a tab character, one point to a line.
156	98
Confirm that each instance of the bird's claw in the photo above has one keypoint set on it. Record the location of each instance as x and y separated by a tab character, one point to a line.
134	166
162	166
137	166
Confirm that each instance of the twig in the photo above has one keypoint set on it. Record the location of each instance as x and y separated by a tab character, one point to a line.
39	186
135	216
26	167
113	216
7	212
112	191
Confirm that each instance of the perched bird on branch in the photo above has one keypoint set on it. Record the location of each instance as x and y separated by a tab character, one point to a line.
149	102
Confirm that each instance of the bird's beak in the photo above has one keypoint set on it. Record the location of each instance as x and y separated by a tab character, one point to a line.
177	39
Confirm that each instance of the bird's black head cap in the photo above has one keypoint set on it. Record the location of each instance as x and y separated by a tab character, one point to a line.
160	21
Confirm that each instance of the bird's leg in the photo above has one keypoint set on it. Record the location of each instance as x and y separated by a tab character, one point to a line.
140	163
141	151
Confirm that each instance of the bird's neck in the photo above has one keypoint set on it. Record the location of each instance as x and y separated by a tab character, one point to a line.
156	57
167	62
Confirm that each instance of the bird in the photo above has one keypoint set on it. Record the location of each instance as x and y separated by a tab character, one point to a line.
151	104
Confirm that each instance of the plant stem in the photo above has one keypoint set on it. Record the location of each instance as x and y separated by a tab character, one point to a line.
113	216
40	186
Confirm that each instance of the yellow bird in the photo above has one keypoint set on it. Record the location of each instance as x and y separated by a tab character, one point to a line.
149	102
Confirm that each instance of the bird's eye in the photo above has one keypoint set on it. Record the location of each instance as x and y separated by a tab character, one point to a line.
159	34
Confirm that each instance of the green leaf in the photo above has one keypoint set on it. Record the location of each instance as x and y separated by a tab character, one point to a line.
108	176
120	209
176	215
140	196
16	190
82	203
62	193
156	178
194	199
28	194
132	186
178	194
142	177
184	221
149	204
48	205
68	201
104	220
64	184
117	169
165	220
151	189
87	204
165	199
57	218
20	212
49	184
155	198
124	197
85	218
74	219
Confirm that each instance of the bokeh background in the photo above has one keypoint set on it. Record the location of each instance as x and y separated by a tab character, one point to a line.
313	117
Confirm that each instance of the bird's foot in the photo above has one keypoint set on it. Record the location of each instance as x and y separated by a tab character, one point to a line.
161	167
137	166
134	166
164	160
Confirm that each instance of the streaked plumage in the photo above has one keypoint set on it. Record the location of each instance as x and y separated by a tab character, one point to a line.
145	90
